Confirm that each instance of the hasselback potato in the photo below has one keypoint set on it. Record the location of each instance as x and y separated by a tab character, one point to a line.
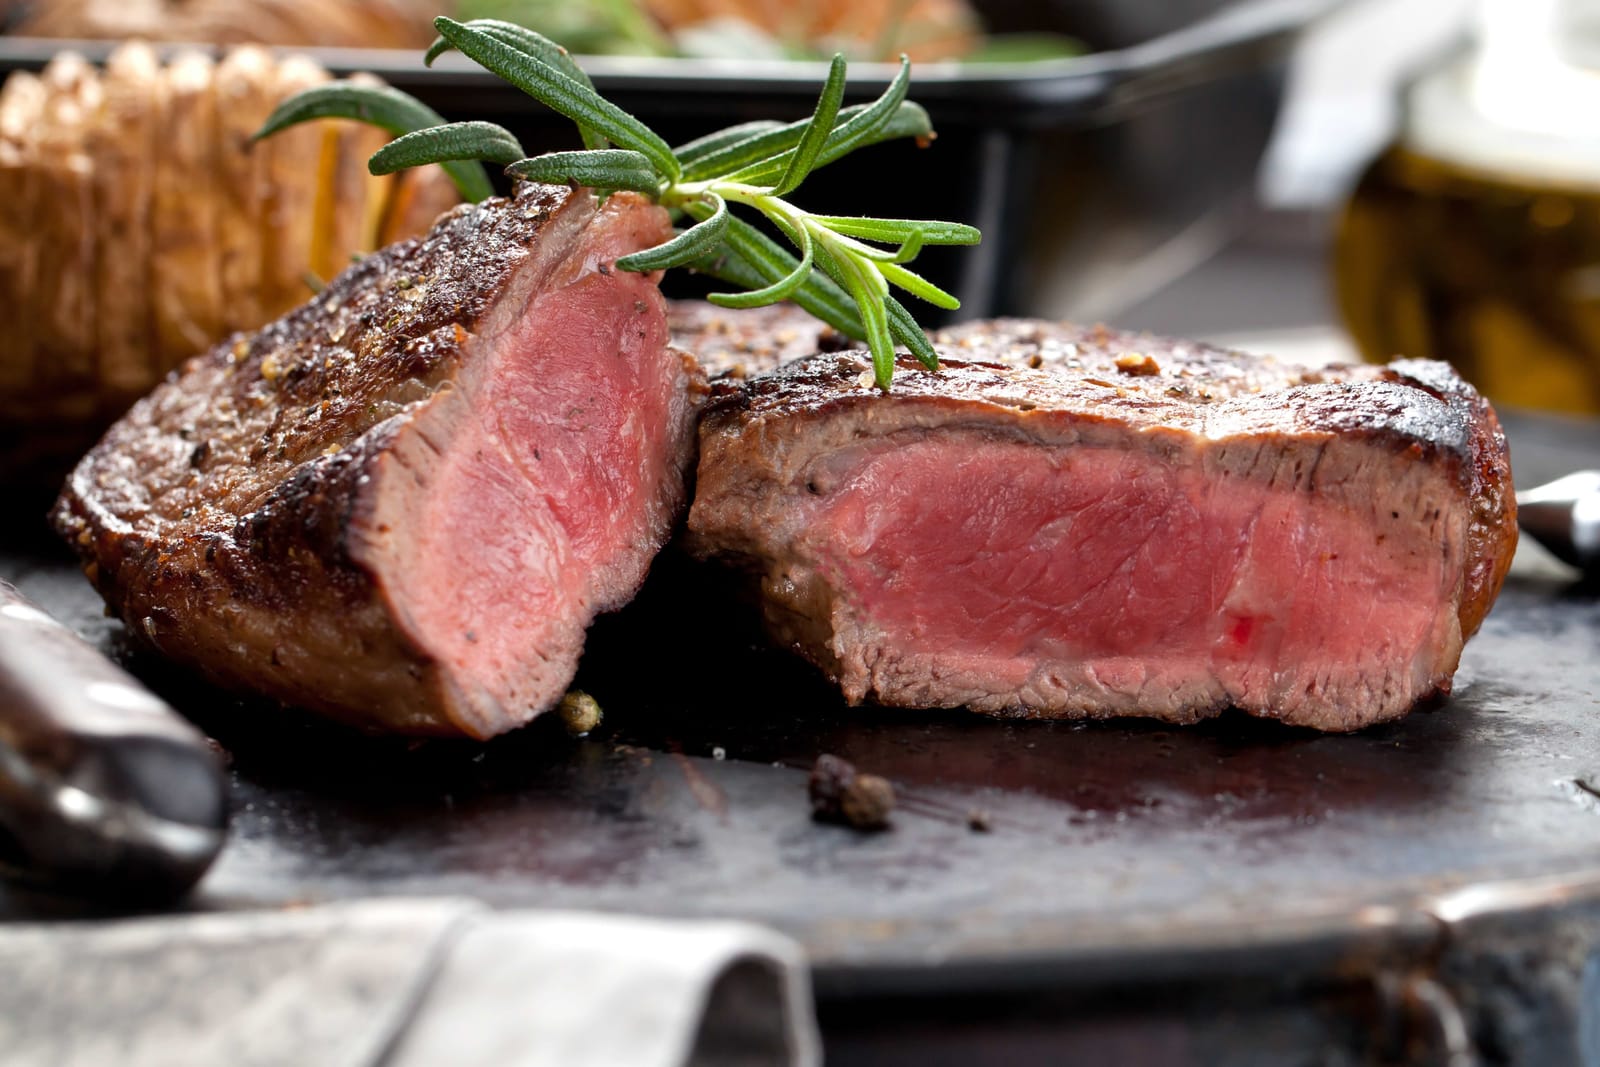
139	225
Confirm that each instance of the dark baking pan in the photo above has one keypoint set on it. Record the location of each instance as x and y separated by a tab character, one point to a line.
1233	892
1079	171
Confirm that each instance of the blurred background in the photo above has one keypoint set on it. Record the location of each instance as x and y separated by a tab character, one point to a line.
1325	179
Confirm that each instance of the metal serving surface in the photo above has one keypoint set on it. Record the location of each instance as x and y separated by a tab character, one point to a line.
1108	846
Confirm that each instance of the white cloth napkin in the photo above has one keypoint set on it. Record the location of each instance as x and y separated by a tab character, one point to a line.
403	983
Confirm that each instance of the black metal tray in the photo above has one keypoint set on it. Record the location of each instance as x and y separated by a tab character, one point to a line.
1236	855
1076	170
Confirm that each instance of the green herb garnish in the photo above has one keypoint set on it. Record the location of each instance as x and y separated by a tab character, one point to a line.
840	275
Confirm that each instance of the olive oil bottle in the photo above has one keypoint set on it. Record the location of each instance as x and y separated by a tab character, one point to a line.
1476	237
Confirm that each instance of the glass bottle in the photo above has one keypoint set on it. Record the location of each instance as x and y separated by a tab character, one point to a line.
1475	238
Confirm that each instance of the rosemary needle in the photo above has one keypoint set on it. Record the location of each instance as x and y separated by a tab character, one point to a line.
846	266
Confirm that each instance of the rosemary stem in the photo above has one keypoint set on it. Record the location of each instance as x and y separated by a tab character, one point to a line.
784	214
841	261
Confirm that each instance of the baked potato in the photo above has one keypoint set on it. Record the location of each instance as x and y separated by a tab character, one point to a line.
140	224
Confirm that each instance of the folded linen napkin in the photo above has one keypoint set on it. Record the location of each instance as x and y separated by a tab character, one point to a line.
403	983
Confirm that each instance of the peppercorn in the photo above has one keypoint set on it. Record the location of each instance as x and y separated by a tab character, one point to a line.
840	794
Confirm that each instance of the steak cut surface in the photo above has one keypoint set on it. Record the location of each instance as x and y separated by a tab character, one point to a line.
403	503
1072	523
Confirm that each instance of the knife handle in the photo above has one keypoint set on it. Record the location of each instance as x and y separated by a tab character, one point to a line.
1564	517
105	792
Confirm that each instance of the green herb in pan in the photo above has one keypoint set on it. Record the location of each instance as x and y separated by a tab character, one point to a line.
846	268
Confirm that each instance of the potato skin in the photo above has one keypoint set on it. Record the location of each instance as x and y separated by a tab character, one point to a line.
299	168
21	181
122	146
183	250
64	311
246	90
140	223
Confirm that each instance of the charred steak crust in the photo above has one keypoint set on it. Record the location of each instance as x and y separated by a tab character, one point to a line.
1060	387
229	517
1492	534
748	341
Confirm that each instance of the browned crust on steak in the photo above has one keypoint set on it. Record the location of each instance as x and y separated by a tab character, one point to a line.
748	341
1492	534
216	515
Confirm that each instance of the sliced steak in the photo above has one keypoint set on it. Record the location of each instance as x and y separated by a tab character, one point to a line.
403	503
1076	523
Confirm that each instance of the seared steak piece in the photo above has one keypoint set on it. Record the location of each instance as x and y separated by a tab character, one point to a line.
743	342
1076	523
403	503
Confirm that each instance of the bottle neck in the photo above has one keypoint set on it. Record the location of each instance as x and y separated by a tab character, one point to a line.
1527	74
1523	102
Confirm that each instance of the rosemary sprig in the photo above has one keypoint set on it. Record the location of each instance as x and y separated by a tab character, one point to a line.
847	267
389	109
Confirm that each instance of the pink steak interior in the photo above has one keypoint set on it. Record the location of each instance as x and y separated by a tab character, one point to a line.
1004	555
552	491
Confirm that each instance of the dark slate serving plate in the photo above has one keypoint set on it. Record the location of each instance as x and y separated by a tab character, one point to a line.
1123	852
